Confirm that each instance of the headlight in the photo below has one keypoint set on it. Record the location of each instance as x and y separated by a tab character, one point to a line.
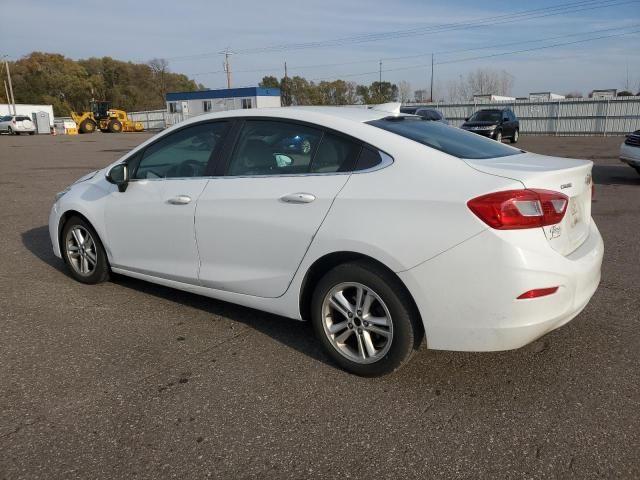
487	127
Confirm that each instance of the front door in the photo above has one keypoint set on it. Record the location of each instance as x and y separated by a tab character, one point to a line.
255	224
150	226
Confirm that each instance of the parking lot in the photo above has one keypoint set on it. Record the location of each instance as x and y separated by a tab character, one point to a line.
133	380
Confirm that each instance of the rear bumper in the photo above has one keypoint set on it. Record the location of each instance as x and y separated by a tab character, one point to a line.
467	295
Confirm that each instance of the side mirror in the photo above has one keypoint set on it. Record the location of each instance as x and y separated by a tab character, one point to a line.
119	175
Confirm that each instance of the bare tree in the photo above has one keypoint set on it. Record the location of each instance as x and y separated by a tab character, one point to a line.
404	91
160	67
483	81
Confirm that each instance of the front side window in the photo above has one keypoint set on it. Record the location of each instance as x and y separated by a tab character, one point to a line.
454	141
184	153
274	148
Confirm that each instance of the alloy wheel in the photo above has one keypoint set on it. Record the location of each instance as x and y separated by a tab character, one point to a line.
81	250
357	322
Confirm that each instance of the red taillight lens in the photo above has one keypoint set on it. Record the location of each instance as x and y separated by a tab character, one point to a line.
538	292
516	209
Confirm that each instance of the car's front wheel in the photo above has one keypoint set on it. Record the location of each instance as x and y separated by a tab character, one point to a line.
83	252
498	136
365	319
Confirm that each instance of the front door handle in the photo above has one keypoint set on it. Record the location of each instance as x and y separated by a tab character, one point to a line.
298	198
180	200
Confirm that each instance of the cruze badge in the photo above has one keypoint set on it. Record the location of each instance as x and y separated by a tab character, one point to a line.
566	185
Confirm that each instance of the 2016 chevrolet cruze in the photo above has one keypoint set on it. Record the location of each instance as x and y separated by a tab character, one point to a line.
385	230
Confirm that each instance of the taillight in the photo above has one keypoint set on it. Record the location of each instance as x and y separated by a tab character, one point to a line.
516	209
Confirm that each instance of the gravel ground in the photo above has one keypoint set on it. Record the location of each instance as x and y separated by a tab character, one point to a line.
132	380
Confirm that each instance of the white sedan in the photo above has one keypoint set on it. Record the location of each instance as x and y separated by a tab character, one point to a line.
388	230
630	150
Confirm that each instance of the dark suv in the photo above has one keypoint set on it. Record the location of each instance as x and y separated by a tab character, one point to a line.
496	123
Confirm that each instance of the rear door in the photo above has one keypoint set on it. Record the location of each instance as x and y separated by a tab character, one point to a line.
255	223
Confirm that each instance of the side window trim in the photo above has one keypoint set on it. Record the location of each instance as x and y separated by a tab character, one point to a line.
213	158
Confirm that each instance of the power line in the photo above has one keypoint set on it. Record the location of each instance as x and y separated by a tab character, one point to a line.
412	67
439	54
571	7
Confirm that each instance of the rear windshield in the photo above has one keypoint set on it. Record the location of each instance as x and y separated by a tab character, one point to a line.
19	119
451	140
486	116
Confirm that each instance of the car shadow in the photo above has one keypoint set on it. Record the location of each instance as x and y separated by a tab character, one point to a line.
615	175
294	334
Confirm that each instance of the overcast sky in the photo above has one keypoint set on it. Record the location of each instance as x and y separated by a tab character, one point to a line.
145	29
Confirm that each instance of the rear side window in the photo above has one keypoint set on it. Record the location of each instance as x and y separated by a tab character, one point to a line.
453	141
335	154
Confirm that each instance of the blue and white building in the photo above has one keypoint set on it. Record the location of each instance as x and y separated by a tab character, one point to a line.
189	104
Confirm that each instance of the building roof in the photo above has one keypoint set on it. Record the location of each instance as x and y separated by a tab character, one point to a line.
223	93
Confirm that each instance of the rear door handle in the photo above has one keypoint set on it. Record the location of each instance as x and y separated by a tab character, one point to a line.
180	200
298	198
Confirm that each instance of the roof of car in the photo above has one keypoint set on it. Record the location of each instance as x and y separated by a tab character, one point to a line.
320	114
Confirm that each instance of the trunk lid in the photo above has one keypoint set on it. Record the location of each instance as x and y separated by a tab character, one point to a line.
565	175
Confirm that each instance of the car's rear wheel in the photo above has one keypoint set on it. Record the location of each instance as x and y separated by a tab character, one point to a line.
10	131
516	136
365	319
83	252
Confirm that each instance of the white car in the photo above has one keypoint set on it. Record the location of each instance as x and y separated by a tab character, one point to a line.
17	124
630	150
388	230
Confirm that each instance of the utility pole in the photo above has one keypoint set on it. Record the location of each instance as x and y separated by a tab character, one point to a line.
380	82
227	66
285	86
431	95
6	91
13	100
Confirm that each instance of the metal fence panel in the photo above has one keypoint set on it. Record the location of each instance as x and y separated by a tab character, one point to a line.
576	116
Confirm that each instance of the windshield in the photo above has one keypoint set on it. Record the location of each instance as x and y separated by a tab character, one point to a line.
451	140
486	116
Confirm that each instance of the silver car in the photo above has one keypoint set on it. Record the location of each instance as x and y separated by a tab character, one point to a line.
17	124
630	150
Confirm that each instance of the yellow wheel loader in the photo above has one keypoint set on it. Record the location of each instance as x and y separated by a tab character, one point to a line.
106	119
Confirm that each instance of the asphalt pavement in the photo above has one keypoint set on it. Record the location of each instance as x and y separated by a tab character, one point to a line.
132	380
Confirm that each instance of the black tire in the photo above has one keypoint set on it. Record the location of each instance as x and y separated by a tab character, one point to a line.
32	133
87	126
637	169
407	331
10	131
115	126
516	136
101	270
498	136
